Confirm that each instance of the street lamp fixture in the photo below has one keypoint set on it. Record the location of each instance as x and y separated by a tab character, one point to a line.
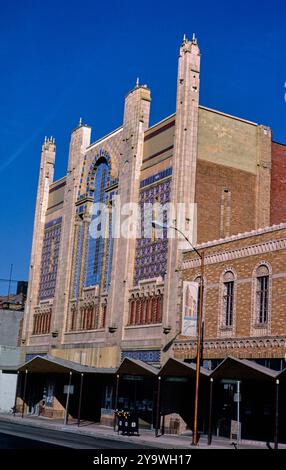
157	224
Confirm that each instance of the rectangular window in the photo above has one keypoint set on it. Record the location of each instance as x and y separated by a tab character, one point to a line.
228	303
262	299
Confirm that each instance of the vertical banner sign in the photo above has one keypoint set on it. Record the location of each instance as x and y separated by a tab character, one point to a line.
190	308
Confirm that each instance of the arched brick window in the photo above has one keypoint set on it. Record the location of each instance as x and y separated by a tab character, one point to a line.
228	299
262	294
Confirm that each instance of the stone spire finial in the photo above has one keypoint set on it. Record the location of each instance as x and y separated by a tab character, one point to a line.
137	82
194	39
80	122
184	38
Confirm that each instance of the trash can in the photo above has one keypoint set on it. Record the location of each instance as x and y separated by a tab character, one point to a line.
133	423
120	424
126	426
127	423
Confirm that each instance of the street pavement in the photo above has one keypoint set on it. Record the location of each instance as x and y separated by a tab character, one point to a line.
94	436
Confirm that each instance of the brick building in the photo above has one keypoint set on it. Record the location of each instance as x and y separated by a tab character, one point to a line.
244	298
96	301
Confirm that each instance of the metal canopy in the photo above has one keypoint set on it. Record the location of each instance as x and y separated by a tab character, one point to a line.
281	375
238	369
51	364
230	368
176	368
135	367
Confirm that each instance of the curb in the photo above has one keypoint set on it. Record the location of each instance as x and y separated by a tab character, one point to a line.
161	442
99	434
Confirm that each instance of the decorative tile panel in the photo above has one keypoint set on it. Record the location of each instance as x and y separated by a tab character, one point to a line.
152	355
50	256
78	257
151	253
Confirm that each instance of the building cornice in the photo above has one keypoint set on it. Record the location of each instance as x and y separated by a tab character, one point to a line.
231	116
239	252
233	343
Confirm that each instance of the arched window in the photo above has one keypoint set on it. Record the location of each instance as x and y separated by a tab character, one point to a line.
142	311
198	279
131	311
228	299
154	310
96	233
137	310
262	294
148	309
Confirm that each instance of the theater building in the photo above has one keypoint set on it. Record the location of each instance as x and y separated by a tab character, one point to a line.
94	302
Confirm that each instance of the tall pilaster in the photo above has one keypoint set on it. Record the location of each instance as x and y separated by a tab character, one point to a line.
184	173
186	132
80	140
46	176
136	121
263	176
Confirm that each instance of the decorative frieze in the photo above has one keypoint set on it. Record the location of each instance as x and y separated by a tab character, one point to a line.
236	253
49	261
231	343
152	355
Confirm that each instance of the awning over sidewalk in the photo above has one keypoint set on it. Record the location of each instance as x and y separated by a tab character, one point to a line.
242	369
281	375
54	365
230	368
135	367
175	367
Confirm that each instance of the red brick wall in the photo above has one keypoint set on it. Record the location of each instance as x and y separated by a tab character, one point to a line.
278	184
210	182
243	267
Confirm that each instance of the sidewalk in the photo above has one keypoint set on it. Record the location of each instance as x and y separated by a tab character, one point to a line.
147	437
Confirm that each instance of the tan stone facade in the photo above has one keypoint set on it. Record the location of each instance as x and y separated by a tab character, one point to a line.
111	298
248	257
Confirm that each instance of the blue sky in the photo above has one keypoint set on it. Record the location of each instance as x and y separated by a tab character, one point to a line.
67	59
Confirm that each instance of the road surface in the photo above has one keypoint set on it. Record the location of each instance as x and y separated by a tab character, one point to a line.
17	436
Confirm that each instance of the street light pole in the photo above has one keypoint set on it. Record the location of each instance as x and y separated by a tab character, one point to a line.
157	224
198	366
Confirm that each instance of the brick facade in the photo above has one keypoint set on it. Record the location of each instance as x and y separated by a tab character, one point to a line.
219	189
241	254
196	155
278	183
